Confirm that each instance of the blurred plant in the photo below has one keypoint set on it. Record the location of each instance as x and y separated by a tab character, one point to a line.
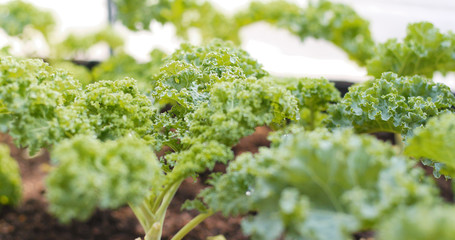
423	51
123	65
16	16
75	45
10	180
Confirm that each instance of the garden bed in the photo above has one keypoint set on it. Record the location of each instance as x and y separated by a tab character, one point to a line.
32	221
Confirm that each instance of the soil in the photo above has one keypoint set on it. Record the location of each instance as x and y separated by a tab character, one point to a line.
30	220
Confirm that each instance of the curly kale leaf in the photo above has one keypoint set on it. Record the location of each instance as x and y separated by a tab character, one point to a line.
186	82
338	24
314	96
239	182
435	141
116	108
236	108
183	14
334	22
89	174
419	223
198	158
31	95
391	104
423	51
218	57
319	185
280	13
79	72
189	72
10	179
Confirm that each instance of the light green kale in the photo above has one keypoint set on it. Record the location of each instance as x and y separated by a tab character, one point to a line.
31	95
190	71
339	24
116	108
200	15
279	13
136	15
186	79
123	65
236	108
419	223
391	104
423	51
89	174
318	185
334	22
78	72
183	14
40	106
10	179
75	45
219	57
314	96
216	99
435	141
16	16
198	158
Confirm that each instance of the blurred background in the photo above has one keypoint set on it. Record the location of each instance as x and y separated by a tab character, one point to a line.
281	53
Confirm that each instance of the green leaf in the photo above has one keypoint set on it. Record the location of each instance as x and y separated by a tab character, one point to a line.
419	223
16	16
77	44
423	51
319	184
31	94
314	96
391	104
10	179
435	141
89	174
197	158
339	24
236	108
116	108
123	65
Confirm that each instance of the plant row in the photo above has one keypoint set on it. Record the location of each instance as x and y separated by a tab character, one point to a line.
323	177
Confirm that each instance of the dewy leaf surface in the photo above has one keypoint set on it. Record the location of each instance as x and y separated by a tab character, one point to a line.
318	185
391	104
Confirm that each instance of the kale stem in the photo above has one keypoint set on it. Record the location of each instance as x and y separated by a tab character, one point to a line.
140	216
154	233
169	195
191	225
159	199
